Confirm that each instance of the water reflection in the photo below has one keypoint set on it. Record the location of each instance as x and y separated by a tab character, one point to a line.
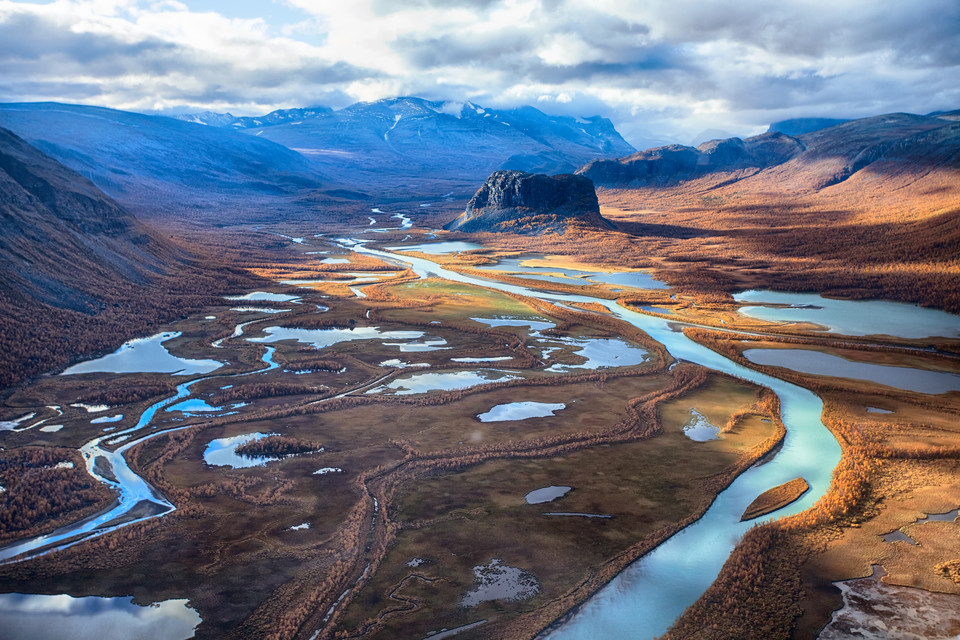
58	617
825	364
520	411
851	317
145	355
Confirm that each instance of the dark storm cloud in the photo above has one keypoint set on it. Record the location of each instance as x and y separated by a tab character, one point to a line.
841	28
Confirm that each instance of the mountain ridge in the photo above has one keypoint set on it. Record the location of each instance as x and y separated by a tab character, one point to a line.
162	165
436	138
76	265
810	161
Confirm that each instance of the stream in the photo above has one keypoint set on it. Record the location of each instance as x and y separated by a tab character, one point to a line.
136	499
646	597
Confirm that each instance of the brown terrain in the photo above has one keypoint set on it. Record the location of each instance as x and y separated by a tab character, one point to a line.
868	208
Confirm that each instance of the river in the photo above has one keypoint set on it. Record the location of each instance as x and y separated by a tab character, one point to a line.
645	598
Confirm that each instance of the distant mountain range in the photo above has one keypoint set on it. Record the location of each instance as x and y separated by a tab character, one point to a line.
413	138
819	158
217	165
159	163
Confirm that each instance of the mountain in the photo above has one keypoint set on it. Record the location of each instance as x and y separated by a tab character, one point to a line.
414	139
800	126
63	239
78	273
231	121
160	164
709	134
676	162
865	208
813	160
520	202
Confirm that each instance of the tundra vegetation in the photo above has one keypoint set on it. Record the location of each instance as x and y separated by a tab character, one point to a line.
417	492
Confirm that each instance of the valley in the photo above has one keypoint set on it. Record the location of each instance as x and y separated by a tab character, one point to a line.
378	531
321	415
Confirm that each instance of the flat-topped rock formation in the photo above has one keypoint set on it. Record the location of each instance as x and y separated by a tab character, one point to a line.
520	202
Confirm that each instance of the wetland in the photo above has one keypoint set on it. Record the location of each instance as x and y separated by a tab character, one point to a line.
435	499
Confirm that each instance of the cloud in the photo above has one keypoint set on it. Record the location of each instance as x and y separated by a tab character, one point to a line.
666	67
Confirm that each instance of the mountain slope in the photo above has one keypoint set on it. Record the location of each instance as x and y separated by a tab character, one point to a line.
865	208
411	138
63	239
160	164
808	162
76	265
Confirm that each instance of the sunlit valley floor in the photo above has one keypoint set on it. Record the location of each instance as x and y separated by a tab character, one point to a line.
403	433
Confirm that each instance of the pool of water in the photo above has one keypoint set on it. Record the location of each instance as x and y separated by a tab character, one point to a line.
222	452
321	338
520	411
145	355
599	353
440	248
397	363
699	429
506	321
497	581
428	344
521	267
443	381
258	310
851	317
825	364
61	617
546	494
264	296
195	406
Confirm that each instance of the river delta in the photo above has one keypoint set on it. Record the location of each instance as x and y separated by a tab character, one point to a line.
454	432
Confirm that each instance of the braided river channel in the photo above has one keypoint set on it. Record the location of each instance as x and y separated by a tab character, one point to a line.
644	599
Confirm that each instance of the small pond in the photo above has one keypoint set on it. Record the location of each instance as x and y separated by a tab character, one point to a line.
497	581
61	617
321	338
546	494
698	428
443	381
145	355
264	296
440	248
222	452
520	411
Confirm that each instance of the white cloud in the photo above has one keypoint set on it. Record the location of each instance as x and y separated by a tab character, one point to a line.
668	66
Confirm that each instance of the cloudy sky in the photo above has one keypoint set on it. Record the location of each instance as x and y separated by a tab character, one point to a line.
666	69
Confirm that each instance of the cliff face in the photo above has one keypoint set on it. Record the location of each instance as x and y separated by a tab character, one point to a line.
520	202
